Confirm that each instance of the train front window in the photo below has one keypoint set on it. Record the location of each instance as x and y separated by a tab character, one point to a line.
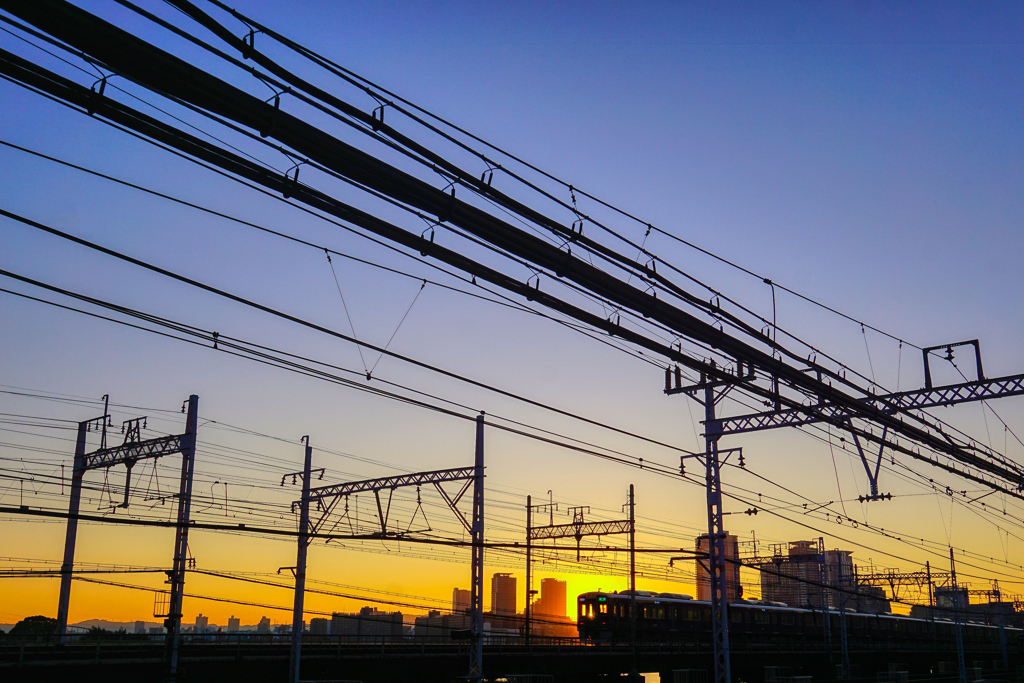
603	608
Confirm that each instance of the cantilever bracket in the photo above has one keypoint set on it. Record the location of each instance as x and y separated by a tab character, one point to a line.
453	503
872	475
383	514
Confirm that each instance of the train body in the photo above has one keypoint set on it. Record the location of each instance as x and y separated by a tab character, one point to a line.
668	617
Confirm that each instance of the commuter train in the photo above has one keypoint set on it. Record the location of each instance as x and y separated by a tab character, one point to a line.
670	617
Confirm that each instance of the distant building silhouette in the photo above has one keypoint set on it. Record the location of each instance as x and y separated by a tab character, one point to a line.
368	622
319	626
460	600
503	594
233	624
264	625
733	589
140	627
552	599
440	625
202	623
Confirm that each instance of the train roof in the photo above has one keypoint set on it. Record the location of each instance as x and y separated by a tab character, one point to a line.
670	598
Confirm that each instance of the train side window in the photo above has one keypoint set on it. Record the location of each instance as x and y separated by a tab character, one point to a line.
736	616
788	618
603	608
760	617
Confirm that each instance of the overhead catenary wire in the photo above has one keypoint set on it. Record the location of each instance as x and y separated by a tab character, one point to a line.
649	465
369	87
868	436
894	424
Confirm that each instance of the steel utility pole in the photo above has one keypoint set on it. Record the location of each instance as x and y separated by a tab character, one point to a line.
632	577
327	498
476	600
844	671
300	567
530	507
132	450
70	536
177	573
716	541
928	574
529	587
956	616
713	391
823	593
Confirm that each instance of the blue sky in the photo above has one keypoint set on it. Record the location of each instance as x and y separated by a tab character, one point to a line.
866	154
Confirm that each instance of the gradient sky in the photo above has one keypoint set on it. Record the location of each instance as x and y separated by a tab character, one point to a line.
867	154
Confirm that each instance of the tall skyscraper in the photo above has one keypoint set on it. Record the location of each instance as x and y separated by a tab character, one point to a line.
733	589
503	594
460	600
552	599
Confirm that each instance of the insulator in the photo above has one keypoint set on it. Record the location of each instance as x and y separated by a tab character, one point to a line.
668	378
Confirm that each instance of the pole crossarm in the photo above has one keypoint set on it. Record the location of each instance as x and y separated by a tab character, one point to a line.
388	483
952	394
131	452
619	526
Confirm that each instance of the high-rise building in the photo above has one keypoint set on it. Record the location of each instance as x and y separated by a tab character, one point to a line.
552	599
460	600
233	624
733	588
140	627
201	623
264	625
503	594
795	574
807	575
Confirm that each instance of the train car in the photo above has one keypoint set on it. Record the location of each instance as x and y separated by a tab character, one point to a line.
667	617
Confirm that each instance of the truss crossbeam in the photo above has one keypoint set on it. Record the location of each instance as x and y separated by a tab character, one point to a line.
890	403
619	526
131	452
388	483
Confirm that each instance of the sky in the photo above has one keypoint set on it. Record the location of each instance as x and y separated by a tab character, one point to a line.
865	154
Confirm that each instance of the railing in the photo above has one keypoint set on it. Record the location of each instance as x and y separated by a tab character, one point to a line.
96	647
